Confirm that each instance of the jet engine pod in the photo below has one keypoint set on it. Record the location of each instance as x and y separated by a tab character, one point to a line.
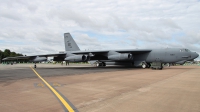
121	57
39	59
76	58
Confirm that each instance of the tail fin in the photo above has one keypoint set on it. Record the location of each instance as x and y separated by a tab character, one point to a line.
70	44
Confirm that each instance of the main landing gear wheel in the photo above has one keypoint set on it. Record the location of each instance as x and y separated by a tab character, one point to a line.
144	65
99	64
168	65
103	64
148	65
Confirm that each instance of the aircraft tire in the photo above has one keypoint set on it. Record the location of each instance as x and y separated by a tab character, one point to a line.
168	64
148	65
97	64
144	65
103	64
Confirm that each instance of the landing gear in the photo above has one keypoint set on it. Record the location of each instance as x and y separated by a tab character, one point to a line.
103	64
99	64
148	65
144	65
157	66
35	66
168	64
67	63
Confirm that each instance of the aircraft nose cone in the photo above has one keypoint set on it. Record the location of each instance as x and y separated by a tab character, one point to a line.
197	55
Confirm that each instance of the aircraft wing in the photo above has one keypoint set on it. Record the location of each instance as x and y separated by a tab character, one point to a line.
87	52
133	51
17	57
31	57
52	55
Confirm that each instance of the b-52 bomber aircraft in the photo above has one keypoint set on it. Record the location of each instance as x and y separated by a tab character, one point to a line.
131	57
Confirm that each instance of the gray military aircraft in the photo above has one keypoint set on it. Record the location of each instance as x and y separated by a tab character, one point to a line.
131	57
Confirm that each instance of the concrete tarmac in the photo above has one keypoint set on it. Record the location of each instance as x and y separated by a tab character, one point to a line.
91	89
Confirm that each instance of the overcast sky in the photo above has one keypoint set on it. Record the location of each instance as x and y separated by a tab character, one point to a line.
37	26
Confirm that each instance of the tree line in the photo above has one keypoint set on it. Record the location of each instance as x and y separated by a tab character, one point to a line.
8	53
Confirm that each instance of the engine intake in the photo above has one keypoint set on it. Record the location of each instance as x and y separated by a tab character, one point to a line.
39	59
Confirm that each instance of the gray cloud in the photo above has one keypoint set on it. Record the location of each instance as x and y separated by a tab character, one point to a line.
39	25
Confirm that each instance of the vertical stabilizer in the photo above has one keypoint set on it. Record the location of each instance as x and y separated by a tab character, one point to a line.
70	44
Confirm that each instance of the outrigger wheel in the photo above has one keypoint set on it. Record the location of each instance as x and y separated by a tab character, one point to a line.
35	66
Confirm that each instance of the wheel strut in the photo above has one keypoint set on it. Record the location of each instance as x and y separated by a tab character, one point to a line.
35	66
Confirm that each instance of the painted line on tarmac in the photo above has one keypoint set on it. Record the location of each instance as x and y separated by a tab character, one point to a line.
62	100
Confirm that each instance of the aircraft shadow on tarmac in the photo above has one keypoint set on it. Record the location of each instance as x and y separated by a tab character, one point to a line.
108	67
91	67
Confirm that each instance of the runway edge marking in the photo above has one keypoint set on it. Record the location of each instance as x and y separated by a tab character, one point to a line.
69	108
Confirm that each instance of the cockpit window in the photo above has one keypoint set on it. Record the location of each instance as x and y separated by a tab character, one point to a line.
187	50
184	50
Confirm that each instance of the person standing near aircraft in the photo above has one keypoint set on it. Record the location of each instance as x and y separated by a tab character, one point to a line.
67	63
